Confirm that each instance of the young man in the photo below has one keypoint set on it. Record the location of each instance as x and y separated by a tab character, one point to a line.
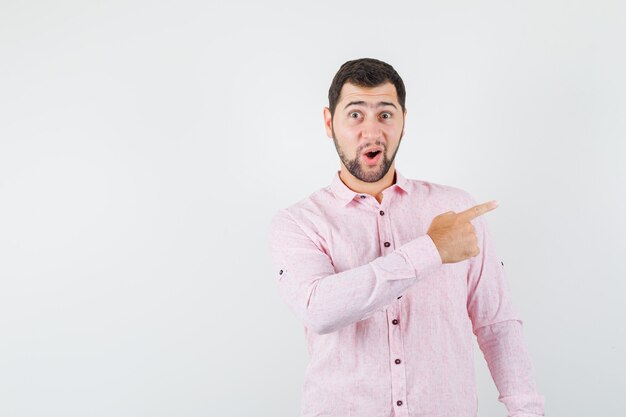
391	276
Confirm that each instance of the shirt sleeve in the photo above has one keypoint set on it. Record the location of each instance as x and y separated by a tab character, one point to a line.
324	300
498	329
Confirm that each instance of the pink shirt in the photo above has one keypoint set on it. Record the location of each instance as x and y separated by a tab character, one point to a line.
389	328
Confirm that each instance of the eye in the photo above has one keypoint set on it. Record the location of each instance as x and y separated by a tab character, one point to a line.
354	115
385	115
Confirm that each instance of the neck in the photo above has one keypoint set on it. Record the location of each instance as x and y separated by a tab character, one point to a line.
375	189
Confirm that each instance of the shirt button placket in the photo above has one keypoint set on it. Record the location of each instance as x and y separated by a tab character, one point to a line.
384	232
396	362
396	352
396	347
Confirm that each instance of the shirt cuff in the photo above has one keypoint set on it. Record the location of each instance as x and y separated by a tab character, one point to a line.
422	254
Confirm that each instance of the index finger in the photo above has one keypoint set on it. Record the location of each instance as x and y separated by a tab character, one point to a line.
478	210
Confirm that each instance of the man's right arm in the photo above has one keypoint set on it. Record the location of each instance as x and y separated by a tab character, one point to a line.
324	300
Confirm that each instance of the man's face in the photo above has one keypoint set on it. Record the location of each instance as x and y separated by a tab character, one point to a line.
367	127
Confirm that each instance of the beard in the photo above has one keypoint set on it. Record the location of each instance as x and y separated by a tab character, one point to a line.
355	166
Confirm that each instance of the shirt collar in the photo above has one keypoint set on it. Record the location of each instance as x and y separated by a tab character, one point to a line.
346	195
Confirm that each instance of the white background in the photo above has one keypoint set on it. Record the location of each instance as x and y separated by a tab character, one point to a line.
144	147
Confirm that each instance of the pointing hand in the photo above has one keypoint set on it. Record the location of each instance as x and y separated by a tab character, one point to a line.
454	235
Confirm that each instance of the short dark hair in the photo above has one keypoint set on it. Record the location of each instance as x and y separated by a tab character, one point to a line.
365	72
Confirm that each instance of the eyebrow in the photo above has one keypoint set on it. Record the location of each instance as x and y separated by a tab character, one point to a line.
361	103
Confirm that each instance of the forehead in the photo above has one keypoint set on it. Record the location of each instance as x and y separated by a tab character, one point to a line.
383	92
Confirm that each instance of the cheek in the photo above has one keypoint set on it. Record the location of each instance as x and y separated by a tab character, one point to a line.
391	135
347	144
394	131
345	132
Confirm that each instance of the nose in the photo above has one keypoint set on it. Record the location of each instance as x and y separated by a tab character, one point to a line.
370	129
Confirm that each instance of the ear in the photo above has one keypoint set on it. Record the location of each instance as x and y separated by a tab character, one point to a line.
328	122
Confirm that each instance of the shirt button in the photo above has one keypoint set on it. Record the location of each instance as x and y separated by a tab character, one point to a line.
382	213
399	402
399	297
362	196
387	244
280	272
394	321
398	361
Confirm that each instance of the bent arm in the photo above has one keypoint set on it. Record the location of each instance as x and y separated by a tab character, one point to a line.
498	330
326	301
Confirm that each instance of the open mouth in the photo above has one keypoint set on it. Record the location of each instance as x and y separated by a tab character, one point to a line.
372	155
371	158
